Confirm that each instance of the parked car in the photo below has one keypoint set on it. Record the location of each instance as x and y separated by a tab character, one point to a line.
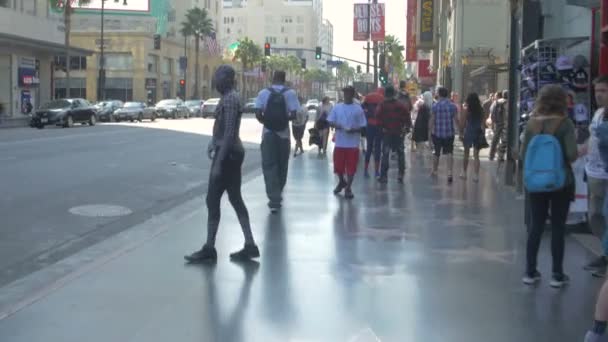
209	108
65	112
132	111
249	106
313	104
172	109
195	106
106	109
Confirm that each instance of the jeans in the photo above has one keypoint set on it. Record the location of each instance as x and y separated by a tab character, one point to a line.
275	163
540	203
393	142
373	135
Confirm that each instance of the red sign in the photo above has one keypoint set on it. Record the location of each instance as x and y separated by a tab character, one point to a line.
411	52
425	73
362	22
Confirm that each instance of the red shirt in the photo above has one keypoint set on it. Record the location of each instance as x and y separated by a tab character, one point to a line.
370	105
393	116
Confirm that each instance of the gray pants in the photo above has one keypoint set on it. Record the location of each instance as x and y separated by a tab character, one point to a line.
597	195
275	162
499	142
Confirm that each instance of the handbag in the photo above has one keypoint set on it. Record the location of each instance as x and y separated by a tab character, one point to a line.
482	142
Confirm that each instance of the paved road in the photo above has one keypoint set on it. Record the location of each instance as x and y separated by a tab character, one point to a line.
144	168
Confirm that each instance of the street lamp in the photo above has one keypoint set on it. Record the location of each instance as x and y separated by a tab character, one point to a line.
101	79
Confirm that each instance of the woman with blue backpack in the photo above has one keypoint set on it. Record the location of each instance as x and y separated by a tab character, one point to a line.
549	148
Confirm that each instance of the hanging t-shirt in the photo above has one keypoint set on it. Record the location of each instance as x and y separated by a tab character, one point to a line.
348	116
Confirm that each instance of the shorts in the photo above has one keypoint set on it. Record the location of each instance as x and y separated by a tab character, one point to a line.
443	145
346	160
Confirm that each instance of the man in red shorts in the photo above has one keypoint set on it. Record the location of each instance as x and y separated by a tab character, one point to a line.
348	119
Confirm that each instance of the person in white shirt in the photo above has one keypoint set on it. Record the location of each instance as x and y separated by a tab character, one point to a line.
298	126
348	119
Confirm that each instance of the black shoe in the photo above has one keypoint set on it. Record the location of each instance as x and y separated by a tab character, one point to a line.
349	194
450	179
400	179
531	278
206	254
599	272
595	264
247	253
339	188
559	280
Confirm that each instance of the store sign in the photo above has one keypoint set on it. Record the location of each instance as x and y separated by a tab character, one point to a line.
27	77
426	33
362	22
410	46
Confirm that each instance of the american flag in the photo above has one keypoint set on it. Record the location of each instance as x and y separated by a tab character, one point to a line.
212	45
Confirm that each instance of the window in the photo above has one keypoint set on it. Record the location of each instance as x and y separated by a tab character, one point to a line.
77	62
152	63
300	29
232	20
166	66
78	88
282	29
119	61
286	40
271	40
300	41
228	30
300	19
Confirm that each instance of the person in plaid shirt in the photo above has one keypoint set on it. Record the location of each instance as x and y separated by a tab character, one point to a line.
443	123
393	117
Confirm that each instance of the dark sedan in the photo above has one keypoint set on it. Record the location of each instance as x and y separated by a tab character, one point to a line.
106	109
132	111
172	109
65	113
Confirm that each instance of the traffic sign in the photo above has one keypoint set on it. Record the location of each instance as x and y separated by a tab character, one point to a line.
367	78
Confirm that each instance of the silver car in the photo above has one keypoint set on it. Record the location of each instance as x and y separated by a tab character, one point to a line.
195	107
209	108
132	111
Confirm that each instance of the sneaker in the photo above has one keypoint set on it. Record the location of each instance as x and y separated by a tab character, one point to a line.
349	194
400	180
206	254
247	253
559	280
531	279
339	188
594	337
377	175
599	272
599	262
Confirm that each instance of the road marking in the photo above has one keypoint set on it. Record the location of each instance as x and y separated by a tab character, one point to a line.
100	210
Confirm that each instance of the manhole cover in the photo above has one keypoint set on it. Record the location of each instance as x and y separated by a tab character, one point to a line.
100	210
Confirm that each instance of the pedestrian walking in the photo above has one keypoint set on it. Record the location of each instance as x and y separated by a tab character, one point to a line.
598	331
322	125
298	126
472	134
597	177
275	107
549	148
420	134
443	123
394	118
348	119
499	117
373	132
227	152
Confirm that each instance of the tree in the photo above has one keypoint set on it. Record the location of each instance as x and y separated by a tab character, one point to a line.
68	10
345	73
394	50
248	53
198	24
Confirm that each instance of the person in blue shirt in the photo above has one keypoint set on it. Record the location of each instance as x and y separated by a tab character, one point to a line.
276	146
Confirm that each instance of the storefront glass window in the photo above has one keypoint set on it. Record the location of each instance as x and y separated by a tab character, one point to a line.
119	89
152	63
119	61
78	88
166	66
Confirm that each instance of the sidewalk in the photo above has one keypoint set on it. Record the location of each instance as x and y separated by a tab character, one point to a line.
422	261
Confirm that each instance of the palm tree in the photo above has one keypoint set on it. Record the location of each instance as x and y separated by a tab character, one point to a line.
197	24
248	53
345	73
394	50
68	10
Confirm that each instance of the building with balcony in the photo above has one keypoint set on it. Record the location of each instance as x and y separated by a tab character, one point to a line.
31	34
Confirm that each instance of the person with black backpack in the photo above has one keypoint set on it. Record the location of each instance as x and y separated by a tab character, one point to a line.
548	149
275	107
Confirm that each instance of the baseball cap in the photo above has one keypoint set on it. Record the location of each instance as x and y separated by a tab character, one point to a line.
581	113
564	63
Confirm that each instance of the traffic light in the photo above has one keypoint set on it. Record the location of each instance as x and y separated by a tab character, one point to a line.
381	60
383	77
303	63
157	42
182	88
267	49
318	52
358	69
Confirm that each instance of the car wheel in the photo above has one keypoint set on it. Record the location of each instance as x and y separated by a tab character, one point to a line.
69	122
92	120
140	117
153	117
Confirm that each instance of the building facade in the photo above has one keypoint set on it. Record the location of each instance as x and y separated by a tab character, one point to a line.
326	40
293	24
135	70
31	34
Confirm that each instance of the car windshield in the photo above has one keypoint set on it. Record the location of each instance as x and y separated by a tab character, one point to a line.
56	104
167	103
193	103
212	101
132	105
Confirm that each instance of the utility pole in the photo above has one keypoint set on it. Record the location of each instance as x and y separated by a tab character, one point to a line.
101	79
516	9
375	49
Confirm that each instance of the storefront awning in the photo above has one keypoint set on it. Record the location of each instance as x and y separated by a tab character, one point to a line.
9	40
493	68
584	3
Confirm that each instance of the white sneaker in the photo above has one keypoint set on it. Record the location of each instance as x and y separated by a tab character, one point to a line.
531	279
